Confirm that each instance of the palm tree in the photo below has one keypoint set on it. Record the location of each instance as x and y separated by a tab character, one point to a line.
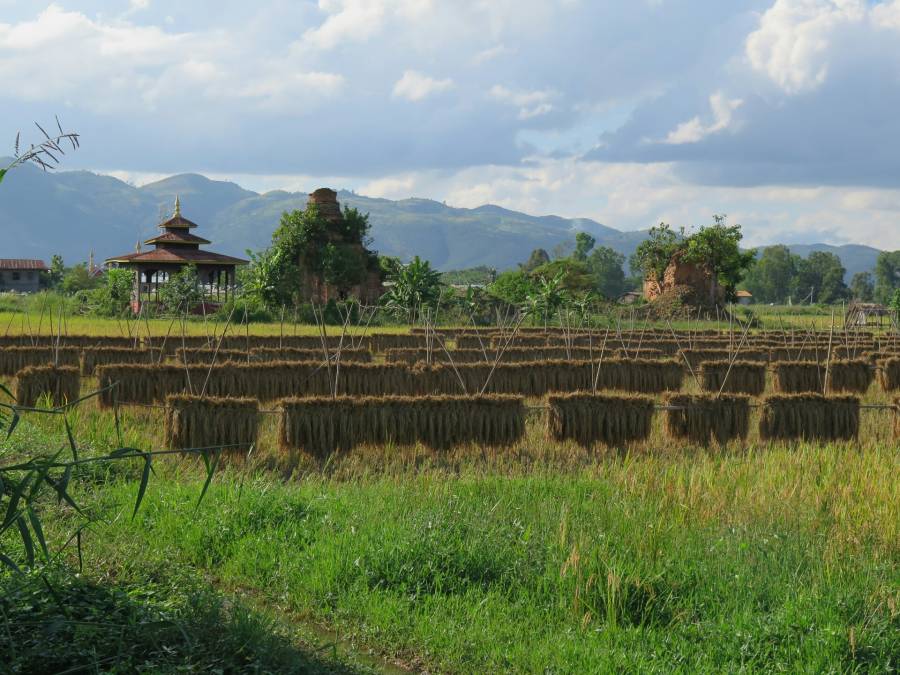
414	287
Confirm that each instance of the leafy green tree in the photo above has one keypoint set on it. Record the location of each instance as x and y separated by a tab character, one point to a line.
415	288
862	287
887	275
114	296
182	291
769	280
57	271
548	297
653	255
606	269
537	258
79	278
306	242
574	275
716	249
821	274
513	286
584	243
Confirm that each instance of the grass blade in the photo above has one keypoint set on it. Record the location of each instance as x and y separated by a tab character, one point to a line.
210	470
27	542
13	424
145	478
71	439
38	532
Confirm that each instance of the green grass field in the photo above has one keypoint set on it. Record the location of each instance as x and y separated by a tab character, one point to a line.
541	558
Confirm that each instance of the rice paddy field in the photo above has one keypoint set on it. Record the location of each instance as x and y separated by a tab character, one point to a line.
655	507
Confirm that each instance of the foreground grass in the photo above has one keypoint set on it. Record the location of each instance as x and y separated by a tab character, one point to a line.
781	560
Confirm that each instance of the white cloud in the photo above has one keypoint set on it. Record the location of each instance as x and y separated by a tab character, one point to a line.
358	20
530	103
695	130
415	86
798	41
121	66
490	54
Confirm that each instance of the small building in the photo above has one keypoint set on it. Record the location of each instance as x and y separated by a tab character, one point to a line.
744	297
21	275
866	314
172	250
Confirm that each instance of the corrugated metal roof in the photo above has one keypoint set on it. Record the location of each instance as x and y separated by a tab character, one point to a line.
21	264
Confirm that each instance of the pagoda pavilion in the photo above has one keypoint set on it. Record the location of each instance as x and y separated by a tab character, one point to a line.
172	250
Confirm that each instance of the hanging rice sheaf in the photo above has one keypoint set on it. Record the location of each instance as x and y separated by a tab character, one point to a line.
347	354
644	376
897	418
740	377
851	375
704	418
62	383
14	359
93	357
195	422
146	384
207	356
381	342
889	374
596	418
696	356
809	417
321	426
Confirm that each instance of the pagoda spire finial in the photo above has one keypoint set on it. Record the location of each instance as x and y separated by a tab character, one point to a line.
177	205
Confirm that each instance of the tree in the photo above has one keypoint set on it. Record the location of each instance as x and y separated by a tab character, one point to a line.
537	258
822	275
57	271
654	254
716	249
547	298
306	242
415	287
606	269
583	245
78	278
887	275
769	280
574	275
513	286
182	291
862	287
114	297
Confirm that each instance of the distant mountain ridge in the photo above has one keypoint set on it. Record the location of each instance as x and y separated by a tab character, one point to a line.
74	212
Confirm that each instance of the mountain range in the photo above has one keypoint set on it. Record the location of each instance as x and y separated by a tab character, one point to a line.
75	212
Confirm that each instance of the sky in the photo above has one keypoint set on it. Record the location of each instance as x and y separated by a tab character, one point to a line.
781	114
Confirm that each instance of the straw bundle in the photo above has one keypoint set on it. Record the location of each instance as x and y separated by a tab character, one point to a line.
796	377
640	375
145	384
593	418
889	374
855	375
93	357
810	417
194	422
744	377
381	342
696	356
206	356
62	383
14	359
897	418
704	418
321	426
348	354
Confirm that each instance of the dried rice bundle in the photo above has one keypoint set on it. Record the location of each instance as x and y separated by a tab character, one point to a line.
889	374
63	383
321	426
740	377
93	357
208	356
810	417
595	418
856	376
194	422
697	356
14	359
704	418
